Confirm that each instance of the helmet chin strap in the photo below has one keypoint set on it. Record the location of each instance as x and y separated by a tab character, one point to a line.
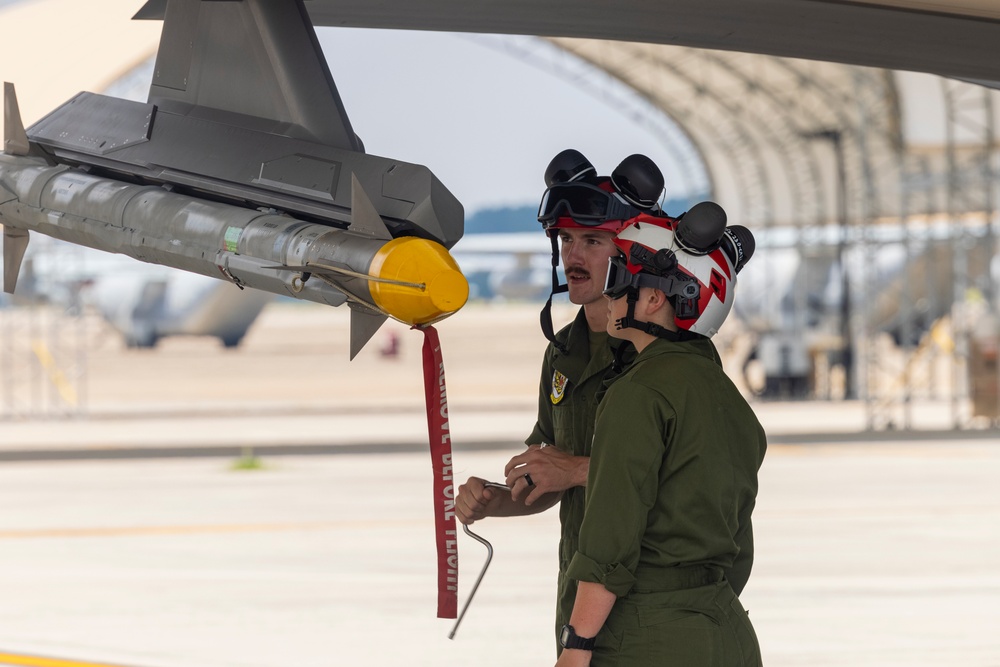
651	328
546	314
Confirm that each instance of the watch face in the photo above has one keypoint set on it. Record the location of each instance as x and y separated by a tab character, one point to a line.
564	635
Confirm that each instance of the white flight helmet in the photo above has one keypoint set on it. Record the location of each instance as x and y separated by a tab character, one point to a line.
693	260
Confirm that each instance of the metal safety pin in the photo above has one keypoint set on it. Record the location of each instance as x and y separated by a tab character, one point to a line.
489	557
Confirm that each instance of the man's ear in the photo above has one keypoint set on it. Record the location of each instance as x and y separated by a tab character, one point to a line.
655	300
658	306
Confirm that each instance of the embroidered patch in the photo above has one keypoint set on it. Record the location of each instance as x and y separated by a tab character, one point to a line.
559	382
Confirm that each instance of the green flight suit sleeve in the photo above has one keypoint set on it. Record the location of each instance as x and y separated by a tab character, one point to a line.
628	452
544	431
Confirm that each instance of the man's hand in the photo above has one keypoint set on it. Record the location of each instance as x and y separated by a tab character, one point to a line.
550	470
476	501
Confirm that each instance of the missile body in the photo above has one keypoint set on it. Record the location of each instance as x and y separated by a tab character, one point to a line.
412	279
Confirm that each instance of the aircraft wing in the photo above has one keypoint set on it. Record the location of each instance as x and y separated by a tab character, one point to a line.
953	38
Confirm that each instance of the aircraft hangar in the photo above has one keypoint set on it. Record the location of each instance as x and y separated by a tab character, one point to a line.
825	160
828	160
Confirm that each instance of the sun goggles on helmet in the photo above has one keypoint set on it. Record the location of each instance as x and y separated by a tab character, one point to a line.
588	204
672	283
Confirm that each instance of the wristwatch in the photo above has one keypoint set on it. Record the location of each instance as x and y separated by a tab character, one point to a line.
569	639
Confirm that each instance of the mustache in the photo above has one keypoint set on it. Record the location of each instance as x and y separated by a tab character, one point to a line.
577	271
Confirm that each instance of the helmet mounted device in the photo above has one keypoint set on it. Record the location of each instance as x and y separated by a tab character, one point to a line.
567	167
639	181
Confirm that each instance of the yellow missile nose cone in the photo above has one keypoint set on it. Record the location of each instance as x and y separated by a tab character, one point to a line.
441	288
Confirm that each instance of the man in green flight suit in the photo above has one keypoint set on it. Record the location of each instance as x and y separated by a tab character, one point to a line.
578	359
673	475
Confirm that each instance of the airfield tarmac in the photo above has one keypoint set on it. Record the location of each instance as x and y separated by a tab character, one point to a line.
871	550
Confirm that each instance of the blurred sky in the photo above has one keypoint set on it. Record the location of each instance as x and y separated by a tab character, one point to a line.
484	121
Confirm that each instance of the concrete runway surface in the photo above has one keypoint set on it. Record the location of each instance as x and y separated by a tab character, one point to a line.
871	551
868	555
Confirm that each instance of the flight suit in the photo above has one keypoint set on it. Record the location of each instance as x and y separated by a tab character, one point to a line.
672	484
567	404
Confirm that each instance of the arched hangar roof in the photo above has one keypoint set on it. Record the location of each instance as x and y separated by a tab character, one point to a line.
755	120
768	128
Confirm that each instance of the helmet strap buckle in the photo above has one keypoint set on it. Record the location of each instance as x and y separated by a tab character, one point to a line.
546	315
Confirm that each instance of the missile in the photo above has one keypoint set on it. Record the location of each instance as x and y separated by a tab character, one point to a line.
55	183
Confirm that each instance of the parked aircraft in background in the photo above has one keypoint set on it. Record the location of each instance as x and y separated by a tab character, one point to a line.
144	302
512	267
790	300
148	308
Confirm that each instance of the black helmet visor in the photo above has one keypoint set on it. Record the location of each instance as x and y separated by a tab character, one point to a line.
588	204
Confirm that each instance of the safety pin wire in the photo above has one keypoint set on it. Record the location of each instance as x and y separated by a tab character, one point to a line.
486	565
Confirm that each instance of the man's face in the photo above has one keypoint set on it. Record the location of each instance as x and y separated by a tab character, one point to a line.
585	254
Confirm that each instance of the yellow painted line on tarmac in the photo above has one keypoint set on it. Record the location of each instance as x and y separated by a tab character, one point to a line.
131	531
18	660
56	376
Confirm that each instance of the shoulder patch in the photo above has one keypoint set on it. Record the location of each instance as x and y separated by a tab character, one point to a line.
559	382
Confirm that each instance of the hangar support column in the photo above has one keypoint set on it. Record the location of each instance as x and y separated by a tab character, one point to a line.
970	152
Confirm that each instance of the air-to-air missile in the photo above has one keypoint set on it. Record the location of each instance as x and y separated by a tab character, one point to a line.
251	176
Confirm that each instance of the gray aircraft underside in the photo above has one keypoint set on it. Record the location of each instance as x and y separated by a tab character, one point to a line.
949	38
952	38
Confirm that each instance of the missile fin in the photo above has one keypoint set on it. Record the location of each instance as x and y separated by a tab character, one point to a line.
15	242
151	11
364	218
364	324
15	139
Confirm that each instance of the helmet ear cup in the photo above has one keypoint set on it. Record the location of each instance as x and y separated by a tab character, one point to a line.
738	244
568	166
702	227
639	180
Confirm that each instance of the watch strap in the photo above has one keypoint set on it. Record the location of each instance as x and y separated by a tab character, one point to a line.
569	639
